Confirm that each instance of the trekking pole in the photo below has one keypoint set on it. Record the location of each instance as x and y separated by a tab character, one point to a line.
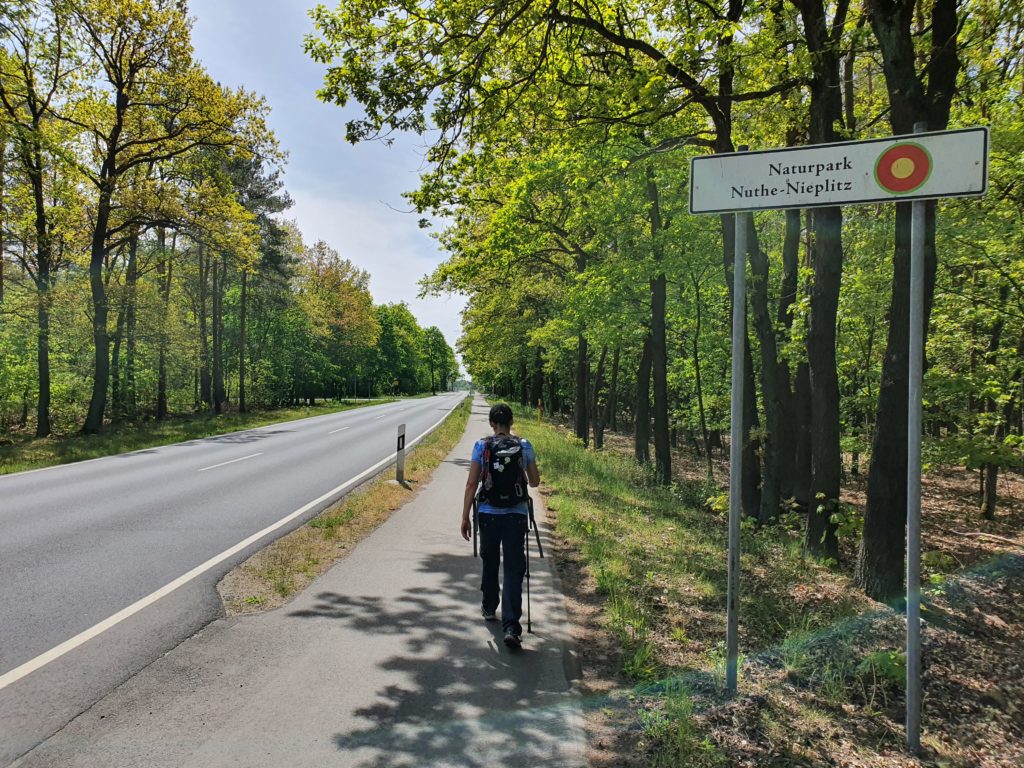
536	530
526	540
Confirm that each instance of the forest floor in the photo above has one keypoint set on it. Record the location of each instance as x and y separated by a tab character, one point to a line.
822	667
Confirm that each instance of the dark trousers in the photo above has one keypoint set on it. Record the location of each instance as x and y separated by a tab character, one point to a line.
504	536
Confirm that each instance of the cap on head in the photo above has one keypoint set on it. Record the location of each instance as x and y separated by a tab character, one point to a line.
501	415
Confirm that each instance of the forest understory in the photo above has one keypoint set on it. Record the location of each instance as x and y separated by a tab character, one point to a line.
822	682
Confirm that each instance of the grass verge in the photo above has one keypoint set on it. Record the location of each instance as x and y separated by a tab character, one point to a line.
19	454
821	677
271	576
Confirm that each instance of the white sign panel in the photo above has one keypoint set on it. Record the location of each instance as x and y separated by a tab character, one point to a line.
912	167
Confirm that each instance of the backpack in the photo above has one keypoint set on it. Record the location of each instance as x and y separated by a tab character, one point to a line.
503	472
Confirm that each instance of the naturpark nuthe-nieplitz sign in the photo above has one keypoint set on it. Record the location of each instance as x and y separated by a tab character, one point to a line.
912	167
918	167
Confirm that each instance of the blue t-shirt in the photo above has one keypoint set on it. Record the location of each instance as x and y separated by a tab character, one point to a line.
529	457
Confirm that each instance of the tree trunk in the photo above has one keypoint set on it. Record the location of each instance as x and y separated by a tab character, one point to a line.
705	436
826	460
596	412
219	278
43	281
802	413
771	400
988	507
205	388
582	385
750	483
116	392
100	310
611	404
659	374
129	402
881	558
826	110
659	344
537	382
788	420
642	425
880	564
991	470
242	408
43	359
165	268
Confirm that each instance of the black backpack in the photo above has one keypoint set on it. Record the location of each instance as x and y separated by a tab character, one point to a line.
503	472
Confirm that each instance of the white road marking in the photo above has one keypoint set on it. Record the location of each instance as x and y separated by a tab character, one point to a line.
225	463
337	430
380	417
153	448
81	638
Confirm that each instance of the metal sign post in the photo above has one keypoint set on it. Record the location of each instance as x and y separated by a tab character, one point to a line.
915	364
922	166
739	303
400	463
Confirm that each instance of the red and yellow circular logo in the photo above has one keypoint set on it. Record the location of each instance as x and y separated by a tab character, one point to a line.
903	168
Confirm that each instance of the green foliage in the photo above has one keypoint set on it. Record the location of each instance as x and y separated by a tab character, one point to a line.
121	156
849	522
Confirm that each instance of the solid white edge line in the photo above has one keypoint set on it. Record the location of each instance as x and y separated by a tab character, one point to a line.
81	638
233	461
169	445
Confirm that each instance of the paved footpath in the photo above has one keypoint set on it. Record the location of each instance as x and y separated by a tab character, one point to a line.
383	661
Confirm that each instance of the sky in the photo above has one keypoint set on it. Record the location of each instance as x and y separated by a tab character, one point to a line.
348	196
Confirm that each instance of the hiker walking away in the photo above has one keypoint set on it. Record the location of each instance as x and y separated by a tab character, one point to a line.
502	466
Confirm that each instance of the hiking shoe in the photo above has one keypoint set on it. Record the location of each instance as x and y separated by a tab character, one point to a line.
488	615
512	640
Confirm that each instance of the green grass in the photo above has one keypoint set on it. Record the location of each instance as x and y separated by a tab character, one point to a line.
658	557
31	453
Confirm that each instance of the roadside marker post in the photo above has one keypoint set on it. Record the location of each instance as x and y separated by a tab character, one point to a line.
400	461
918	167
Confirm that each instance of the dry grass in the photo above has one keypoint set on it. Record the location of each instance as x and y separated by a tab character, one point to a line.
273	575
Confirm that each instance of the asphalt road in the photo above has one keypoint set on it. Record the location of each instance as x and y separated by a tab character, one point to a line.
382	662
106	565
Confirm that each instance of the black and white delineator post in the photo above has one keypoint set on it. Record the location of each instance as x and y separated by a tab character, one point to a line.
400	460
914	168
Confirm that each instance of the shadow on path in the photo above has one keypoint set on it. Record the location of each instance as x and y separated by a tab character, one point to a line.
455	696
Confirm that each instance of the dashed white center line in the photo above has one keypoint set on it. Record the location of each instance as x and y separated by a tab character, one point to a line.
337	430
380	417
225	463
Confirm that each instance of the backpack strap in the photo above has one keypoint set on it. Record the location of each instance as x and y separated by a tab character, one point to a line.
485	463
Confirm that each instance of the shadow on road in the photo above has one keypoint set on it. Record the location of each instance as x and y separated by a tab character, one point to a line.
459	699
